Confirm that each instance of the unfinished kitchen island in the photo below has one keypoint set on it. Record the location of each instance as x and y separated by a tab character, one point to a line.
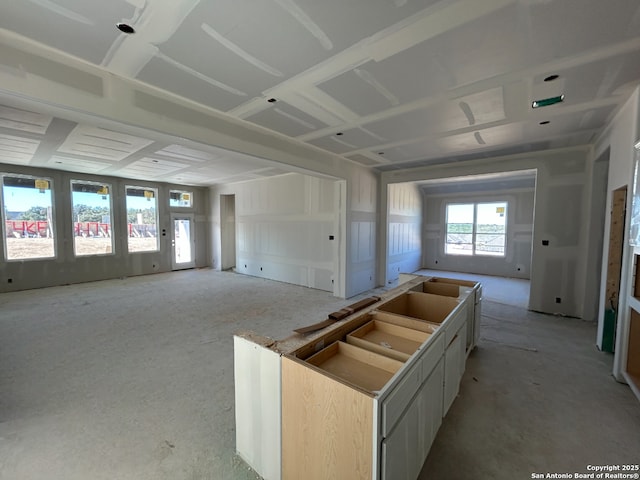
362	398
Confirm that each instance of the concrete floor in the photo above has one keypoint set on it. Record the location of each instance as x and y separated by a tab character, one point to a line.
133	379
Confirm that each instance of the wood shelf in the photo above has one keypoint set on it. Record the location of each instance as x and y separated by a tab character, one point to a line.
387	339
407	322
363	368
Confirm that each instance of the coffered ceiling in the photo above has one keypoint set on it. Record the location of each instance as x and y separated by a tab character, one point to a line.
383	83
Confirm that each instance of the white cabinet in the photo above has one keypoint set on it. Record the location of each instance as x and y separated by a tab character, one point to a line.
363	400
407	446
452	373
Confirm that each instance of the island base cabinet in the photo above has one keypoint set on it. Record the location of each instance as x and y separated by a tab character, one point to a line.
327	426
406	449
454	357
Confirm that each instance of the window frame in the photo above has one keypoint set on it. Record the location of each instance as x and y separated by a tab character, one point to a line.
181	192
52	226
73	220
157	216
474	229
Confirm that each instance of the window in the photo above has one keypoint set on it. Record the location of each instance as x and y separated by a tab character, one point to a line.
28	217
179	198
142	219
476	229
91	204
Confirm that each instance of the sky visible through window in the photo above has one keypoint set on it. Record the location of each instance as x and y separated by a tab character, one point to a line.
486	214
18	199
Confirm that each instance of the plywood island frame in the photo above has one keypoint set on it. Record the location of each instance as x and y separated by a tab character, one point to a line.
363	397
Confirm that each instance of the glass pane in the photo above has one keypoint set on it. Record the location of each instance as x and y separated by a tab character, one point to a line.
459	239
28	217
142	219
491	228
182	245
92	233
490	244
459	244
178	198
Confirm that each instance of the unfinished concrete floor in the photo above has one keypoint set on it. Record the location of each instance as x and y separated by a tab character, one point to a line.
133	379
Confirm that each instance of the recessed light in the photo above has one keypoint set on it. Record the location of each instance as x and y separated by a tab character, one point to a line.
545	122
340	133
380	153
125	28
551	78
272	100
545	102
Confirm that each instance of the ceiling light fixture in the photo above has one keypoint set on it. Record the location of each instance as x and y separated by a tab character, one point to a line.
272	100
545	122
545	102
339	133
380	153
551	78
125	28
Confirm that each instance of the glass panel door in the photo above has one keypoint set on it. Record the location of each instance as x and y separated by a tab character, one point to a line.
183	242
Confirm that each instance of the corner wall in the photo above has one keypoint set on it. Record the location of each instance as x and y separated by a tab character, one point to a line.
66	268
563	189
283	229
404	236
284	224
620	136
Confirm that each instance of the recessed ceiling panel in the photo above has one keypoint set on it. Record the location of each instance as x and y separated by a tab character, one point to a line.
463	112
101	143
363	160
201	88
596	79
261	43
360	91
482	139
17	150
152	167
491	45
79	27
286	119
413	151
186	154
561	29
353	139
76	164
595	119
22	120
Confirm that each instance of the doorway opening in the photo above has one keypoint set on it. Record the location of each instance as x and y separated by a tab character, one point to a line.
227	232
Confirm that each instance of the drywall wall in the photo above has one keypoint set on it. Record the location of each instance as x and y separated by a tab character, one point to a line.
66	268
560	259
284	226
519	195
361	223
619	137
404	225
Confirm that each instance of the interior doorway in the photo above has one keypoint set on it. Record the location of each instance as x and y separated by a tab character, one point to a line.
227	232
182	241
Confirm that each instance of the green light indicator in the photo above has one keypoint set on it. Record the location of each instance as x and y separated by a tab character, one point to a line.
547	101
